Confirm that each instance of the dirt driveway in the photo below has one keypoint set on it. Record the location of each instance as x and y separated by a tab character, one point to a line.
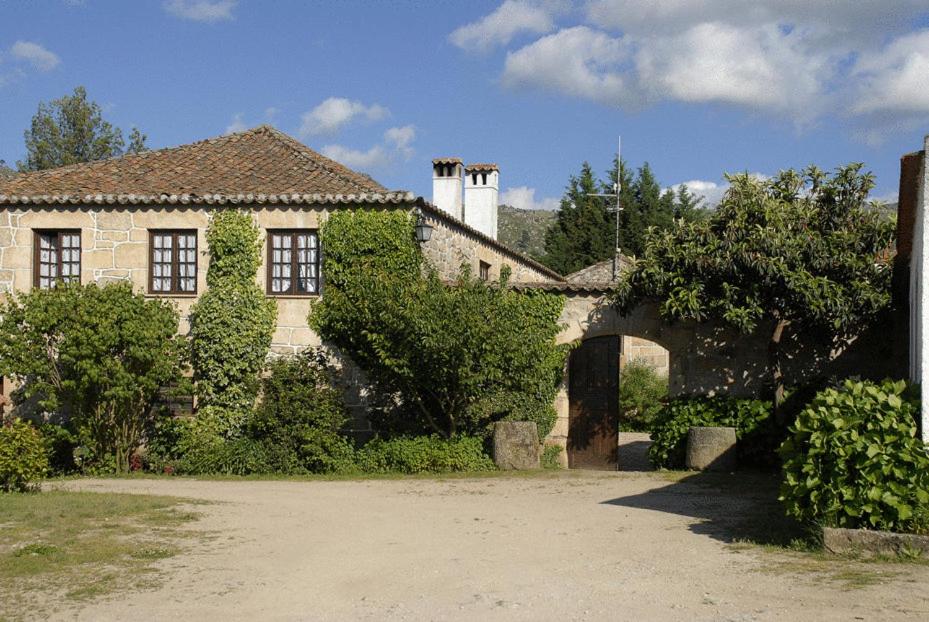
566	546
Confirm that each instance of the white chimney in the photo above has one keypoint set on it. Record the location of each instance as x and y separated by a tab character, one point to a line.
480	207
446	185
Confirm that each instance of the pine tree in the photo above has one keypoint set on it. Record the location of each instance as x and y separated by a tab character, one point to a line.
584	231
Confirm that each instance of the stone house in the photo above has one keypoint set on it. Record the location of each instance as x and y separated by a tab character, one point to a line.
143	218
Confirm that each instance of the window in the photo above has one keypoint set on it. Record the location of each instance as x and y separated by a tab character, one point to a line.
293	262
484	268
57	257
172	262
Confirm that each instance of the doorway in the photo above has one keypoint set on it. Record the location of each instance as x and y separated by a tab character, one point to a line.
593	397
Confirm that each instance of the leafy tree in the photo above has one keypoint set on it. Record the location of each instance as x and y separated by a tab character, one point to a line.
5	171
71	130
799	252
137	141
584	231
454	358
232	324
642	393
98	354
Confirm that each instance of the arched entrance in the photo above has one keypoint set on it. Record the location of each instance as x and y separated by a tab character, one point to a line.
593	398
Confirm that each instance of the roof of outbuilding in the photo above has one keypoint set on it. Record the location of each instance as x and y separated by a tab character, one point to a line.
240	167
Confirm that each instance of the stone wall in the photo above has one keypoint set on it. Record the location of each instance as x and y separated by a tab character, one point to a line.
453	244
708	359
644	351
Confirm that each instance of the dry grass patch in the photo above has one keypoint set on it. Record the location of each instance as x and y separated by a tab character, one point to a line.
57	546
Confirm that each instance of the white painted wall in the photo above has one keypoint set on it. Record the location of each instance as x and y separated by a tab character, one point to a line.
446	191
480	205
919	292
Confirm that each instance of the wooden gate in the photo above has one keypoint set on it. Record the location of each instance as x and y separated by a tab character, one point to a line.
593	394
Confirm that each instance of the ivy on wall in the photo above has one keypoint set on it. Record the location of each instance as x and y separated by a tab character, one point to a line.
449	359
232	323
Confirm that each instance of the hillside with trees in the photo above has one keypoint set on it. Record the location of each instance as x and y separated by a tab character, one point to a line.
524	230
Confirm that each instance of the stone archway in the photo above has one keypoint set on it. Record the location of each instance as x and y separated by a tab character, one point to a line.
588	403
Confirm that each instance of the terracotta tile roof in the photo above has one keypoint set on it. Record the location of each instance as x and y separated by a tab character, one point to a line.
250	166
486	166
449	160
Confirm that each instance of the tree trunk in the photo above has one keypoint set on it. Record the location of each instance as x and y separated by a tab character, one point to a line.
774	365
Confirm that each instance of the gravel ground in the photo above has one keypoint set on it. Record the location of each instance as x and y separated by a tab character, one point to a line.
562	546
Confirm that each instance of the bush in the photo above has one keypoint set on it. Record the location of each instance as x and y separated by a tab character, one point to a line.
300	416
294	429
424	454
454	359
232	323
550	457
751	419
642	393
98	354
23	461
854	460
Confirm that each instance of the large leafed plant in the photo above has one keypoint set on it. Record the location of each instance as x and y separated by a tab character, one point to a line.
799	252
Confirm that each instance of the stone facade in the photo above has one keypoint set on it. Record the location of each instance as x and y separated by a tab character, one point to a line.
453	244
115	247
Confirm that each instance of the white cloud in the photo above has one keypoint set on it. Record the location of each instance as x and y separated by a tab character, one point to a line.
761	67
506	21
237	125
895	79
523	197
201	10
36	55
334	113
711	191
577	61
401	138
794	58
271	114
375	157
398	143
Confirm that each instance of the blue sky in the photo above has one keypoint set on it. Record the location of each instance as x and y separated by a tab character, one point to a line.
695	87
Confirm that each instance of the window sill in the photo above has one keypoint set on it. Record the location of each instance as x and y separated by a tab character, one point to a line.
169	295
293	296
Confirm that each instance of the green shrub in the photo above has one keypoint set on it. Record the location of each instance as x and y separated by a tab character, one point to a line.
232	323
550	457
453	359
23	459
60	444
100	355
854	460
424	454
751	419
642	394
300	416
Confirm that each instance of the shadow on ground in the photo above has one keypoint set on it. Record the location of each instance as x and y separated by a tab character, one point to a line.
731	507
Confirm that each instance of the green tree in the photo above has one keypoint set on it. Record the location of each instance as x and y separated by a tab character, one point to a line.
584	231
137	141
98	354
799	252
232	324
455	358
70	130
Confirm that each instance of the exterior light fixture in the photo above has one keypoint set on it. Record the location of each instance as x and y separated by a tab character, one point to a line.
423	228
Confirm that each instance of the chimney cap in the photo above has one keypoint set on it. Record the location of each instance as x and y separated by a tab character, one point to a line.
450	160
481	167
